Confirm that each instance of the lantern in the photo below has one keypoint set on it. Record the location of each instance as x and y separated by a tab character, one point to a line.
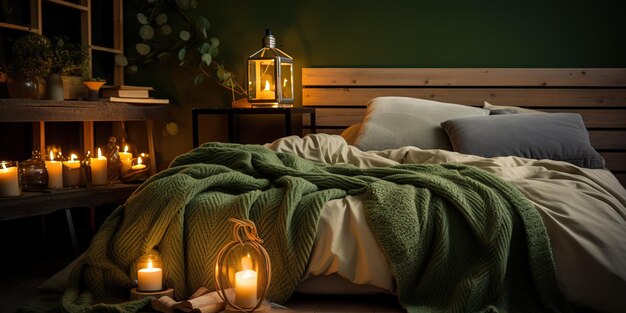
243	265
270	75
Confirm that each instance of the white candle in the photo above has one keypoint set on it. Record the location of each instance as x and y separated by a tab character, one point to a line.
138	166
71	172
126	158
9	182
99	169
150	278
55	173
246	285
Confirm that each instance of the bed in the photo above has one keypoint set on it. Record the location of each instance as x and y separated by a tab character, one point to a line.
324	187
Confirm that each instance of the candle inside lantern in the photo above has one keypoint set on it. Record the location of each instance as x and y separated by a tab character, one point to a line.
9	180
55	173
99	169
71	172
246	285
127	160
150	278
267	92
139	165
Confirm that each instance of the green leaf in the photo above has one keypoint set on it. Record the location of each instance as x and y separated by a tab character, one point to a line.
161	19
204	48
206	58
214	51
184	4
181	54
184	35
142	18
163	55
194	4
146	32
204	33
142	48
198	79
133	69
121	60
215	42
202	23
166	29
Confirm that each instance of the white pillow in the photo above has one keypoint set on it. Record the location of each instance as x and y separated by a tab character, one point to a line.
394	122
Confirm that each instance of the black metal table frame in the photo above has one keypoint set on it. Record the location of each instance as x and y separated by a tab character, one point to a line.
231	112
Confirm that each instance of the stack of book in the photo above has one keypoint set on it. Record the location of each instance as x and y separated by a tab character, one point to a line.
130	94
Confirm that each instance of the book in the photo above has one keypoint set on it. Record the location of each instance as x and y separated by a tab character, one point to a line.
138	100
125	93
128	87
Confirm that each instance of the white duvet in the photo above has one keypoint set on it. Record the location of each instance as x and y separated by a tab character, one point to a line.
584	211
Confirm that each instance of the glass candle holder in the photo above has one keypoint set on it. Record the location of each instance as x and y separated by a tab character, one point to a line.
33	173
9	179
149	272
139	171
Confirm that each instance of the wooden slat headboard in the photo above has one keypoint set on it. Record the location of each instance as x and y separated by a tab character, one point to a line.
599	95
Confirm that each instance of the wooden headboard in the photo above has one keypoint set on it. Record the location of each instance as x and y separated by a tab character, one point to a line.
599	95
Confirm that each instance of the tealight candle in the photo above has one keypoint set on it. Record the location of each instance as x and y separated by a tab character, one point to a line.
71	172
55	173
138	166
150	278
126	158
9	179
246	285
99	169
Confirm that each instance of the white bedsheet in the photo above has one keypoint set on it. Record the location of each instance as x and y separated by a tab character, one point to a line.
584	211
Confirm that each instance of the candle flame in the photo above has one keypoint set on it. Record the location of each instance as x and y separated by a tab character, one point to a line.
285	82
149	264
99	153
267	85
73	157
51	156
125	148
246	262
4	167
139	160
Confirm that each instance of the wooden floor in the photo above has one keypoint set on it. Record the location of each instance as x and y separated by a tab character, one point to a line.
29	256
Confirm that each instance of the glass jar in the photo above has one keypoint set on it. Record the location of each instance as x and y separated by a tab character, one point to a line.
33	173
22	86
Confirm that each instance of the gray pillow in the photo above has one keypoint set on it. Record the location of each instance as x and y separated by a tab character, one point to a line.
500	109
554	136
394	122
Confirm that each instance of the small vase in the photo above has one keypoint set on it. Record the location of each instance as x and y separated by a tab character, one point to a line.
94	88
33	173
22	86
54	87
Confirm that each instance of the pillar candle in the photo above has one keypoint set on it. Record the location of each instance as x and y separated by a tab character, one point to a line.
246	285
126	158
99	169
9	181
71	172
150	278
55	173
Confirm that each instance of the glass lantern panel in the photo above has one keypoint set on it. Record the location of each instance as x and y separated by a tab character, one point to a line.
286	70
262	80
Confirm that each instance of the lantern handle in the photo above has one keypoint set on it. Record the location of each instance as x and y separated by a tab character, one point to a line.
249	230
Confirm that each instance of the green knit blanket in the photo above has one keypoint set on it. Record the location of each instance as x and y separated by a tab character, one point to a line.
458	239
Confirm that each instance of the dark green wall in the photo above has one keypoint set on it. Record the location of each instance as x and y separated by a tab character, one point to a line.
392	33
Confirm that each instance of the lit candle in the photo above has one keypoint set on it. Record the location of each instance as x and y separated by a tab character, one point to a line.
150	278
138	166
9	182
127	160
246	285
55	173
99	169
71	172
267	92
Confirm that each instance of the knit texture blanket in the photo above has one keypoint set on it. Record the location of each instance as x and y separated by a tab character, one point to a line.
457	238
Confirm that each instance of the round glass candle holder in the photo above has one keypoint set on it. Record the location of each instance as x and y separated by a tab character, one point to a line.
10	185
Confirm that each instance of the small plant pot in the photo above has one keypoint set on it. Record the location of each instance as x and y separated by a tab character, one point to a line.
94	88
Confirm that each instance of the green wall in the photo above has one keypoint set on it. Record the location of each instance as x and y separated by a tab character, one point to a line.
392	33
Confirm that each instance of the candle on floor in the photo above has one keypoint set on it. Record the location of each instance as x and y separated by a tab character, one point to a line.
9	179
246	285
126	158
150	278
99	169
71	172
55	173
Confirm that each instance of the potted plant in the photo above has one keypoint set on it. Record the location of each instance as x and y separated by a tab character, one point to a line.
70	64
30	62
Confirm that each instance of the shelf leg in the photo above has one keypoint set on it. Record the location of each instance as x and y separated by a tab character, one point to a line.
153	164
70	225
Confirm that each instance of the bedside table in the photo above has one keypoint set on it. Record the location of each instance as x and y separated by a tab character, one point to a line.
231	112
